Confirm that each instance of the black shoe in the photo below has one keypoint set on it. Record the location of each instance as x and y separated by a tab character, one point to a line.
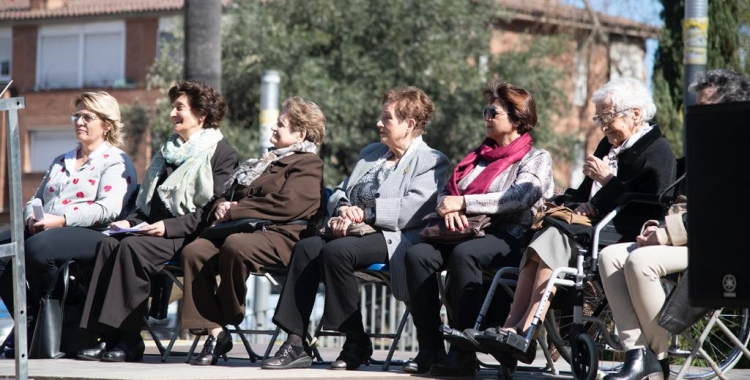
94	353
640	364
125	352
287	357
459	339
213	349
456	363
353	354
424	360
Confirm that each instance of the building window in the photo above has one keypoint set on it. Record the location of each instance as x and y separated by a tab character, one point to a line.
580	79
83	55
45	145
6	49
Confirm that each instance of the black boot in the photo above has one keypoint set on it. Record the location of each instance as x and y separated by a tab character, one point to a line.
640	364
214	348
356	352
129	348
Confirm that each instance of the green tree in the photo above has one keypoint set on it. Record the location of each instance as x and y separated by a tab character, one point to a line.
727	48
343	53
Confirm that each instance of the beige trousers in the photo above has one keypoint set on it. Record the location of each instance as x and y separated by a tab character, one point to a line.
631	279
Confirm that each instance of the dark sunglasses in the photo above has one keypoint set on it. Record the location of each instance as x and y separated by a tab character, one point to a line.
491	113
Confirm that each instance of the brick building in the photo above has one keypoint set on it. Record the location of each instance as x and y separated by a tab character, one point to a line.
54	49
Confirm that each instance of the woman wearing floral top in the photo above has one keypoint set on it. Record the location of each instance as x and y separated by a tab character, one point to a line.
83	191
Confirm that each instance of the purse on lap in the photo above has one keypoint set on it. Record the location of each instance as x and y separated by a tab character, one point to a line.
436	232
354	229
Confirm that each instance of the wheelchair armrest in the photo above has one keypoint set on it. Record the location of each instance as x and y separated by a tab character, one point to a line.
642	198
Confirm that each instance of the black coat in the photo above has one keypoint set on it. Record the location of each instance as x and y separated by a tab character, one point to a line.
649	167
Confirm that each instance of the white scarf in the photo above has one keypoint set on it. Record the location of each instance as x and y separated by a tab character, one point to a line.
251	169
191	185
612	159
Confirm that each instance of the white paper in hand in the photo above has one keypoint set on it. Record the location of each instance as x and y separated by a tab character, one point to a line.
127	230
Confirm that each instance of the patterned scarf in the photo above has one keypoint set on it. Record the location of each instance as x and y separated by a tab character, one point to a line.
612	160
251	169
191	185
499	157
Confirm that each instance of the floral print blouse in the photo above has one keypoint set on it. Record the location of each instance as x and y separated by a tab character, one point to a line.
92	195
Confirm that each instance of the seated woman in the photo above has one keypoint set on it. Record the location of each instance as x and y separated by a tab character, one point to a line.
184	175
285	185
630	272
633	157
83	191
393	186
505	178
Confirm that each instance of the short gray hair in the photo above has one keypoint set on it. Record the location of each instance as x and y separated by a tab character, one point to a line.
627	93
730	85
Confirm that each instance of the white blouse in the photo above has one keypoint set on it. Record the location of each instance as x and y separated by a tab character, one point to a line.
92	195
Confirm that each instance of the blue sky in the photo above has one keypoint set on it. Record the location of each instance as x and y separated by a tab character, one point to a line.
646	11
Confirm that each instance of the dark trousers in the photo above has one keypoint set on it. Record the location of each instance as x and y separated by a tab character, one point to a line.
315	259
465	287
45	252
121	282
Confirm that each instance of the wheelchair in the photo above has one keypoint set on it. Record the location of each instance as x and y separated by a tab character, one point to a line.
580	325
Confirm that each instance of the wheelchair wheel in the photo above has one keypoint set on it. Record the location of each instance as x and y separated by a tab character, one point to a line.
506	373
717	345
585	360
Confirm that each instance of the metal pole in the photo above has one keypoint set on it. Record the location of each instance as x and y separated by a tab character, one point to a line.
269	113
695	36
269	107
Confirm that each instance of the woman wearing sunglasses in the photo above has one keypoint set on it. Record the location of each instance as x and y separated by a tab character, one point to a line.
633	156
506	178
83	191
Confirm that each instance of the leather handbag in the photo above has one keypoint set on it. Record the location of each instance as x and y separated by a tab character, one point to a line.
354	229
247	225
677	314
559	212
45	343
436	232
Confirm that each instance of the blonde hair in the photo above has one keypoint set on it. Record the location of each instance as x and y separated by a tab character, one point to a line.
304	115
106	107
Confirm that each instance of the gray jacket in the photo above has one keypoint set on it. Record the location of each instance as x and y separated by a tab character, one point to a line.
403	199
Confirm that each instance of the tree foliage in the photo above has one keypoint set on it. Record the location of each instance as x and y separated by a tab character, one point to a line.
343	53
727	48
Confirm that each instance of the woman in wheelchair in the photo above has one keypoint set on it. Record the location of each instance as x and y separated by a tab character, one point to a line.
632	157
285	188
631	272
187	172
505	178
392	187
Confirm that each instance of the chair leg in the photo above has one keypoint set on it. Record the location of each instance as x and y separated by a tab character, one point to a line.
272	342
396	338
156	339
250	352
168	351
192	348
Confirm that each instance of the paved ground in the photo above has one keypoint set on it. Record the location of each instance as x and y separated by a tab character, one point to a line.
239	367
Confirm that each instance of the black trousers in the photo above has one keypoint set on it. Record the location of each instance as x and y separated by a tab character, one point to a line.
45	252
465	287
121	282
315	259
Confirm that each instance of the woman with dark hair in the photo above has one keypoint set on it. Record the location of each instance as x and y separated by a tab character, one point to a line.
83	191
184	176
393	186
284	187
505	178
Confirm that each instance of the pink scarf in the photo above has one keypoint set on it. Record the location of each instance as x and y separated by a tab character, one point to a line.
500	158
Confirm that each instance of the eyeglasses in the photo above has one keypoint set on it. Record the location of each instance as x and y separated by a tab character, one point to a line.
87	117
490	113
608	118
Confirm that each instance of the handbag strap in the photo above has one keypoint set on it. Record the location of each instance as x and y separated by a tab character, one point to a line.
65	269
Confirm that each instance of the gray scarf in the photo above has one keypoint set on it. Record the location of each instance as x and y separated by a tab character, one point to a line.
251	169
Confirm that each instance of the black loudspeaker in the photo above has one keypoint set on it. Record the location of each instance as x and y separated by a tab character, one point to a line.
717	150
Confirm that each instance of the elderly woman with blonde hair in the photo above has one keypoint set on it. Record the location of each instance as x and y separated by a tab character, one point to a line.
82	192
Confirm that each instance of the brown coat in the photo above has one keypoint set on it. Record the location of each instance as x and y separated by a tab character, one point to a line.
289	189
